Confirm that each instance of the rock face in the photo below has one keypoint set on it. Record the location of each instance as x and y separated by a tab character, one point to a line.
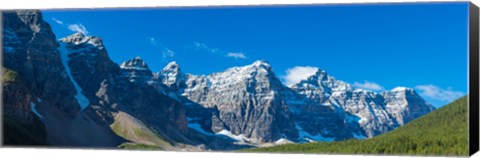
76	91
30	49
247	101
251	102
375	113
114	89
172	76
136	70
41	91
88	61
77	96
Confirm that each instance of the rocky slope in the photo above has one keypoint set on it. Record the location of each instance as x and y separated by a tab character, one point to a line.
41	91
76	91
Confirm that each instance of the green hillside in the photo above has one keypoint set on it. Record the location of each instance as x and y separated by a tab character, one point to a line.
141	136
442	132
139	146
8	75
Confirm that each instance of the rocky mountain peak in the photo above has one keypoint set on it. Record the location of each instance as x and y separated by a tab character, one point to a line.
135	63
261	63
257	68
402	103
172	75
257	72
77	35
320	72
173	69
402	89
81	39
314	78
230	92
322	83
34	20
18	24
172	65
136	70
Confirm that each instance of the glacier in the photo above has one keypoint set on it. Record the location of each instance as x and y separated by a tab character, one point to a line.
81	99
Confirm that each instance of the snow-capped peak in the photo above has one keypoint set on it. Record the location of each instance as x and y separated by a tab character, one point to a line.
261	66
320	72
77	35
172	74
136	70
401	89
172	67
260	63
323	82
172	64
80	38
136	63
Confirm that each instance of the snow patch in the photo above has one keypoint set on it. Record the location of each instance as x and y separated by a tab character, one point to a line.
360	91
283	141
397	89
229	134
81	99
198	128
304	135
133	68
173	96
33	106
226	133
353	118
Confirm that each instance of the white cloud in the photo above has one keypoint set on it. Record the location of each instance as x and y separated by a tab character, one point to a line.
368	86
153	41
238	55
78	28
298	73
204	47
57	21
200	45
168	53
437	93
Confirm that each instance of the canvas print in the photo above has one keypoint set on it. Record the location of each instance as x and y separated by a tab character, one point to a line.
325	79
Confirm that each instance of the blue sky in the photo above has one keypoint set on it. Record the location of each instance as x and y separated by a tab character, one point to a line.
378	47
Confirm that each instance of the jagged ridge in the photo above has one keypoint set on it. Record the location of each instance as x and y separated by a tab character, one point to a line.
365	113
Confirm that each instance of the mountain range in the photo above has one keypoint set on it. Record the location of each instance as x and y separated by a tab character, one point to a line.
68	92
